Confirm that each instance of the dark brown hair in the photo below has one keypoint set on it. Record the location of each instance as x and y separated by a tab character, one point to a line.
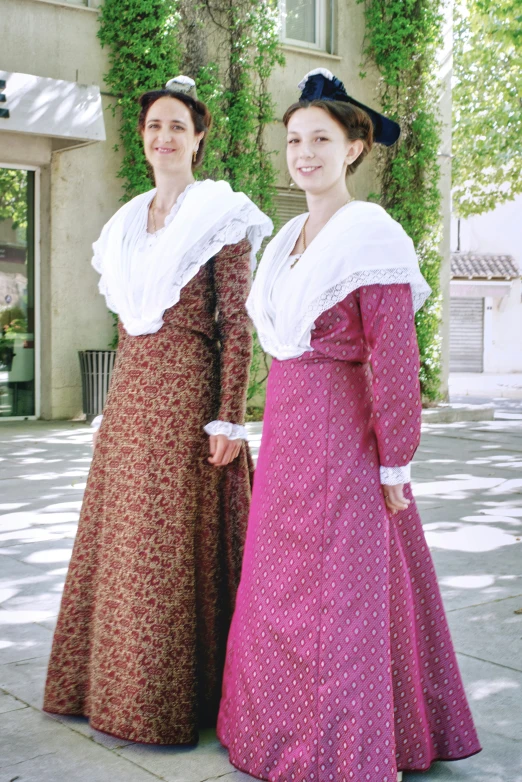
201	116
354	121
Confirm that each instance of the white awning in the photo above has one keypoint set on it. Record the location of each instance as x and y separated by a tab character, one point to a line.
52	107
476	289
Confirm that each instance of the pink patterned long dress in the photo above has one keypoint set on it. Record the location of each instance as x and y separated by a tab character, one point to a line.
340	664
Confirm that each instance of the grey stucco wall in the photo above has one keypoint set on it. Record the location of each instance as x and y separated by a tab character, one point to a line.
79	191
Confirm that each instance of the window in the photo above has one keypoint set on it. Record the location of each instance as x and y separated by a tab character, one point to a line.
303	22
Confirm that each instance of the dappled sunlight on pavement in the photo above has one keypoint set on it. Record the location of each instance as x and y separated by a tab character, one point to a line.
468	484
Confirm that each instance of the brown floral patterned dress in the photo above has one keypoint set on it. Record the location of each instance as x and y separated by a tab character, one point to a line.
140	642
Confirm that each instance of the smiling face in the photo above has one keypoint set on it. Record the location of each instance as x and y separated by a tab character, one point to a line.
318	150
169	137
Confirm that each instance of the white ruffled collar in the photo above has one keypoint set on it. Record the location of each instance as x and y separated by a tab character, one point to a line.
360	245
206	216
173	212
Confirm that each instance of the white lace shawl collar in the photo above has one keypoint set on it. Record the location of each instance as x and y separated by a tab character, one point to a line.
360	245
209	216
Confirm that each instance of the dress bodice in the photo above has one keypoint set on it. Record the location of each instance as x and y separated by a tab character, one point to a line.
339	333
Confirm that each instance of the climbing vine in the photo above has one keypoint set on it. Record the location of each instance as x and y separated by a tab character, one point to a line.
230	47
403	37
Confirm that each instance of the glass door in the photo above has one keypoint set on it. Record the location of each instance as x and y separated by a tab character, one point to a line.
17	276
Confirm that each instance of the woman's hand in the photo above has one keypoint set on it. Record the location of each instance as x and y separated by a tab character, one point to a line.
222	450
394	498
95	438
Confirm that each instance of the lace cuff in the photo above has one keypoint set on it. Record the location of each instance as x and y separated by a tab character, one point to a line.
96	422
232	431
391	476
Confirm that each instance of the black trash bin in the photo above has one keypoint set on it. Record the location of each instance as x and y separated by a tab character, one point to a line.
96	369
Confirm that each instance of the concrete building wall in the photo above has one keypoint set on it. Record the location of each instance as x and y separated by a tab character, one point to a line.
445	111
84	195
52	39
79	191
498	233
502	330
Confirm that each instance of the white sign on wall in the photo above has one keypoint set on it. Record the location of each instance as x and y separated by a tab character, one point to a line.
51	107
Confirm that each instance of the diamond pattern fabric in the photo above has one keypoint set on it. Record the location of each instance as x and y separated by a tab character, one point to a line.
340	664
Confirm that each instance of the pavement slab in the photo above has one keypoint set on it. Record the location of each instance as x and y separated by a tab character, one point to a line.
184	765
495	695
21	641
498	628
499	761
8	703
468	484
36	747
25	680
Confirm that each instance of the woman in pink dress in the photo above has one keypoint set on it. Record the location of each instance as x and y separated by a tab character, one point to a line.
340	664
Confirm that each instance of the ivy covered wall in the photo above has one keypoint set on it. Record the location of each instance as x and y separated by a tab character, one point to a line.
231	48
403	40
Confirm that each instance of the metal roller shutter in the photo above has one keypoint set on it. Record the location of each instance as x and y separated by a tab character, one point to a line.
289	204
466	335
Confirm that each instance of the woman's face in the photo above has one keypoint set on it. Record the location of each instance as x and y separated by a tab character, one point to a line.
318	150
169	138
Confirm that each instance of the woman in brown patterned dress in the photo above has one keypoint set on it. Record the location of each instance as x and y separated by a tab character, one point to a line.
140	641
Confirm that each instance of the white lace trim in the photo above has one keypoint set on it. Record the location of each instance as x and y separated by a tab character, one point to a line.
232	431
148	239
337	293
392	476
96	422
360	245
209	215
235	230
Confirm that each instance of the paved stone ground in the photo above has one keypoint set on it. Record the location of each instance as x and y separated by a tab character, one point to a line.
469	487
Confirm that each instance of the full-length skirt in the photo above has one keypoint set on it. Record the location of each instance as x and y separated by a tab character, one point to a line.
340	664
140	641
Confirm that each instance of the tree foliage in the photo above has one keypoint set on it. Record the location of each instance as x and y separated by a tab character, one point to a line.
403	37
487	104
13	197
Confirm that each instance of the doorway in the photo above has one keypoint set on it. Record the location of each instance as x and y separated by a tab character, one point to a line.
18	393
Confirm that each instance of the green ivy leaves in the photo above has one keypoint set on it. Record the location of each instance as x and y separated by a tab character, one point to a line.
403	37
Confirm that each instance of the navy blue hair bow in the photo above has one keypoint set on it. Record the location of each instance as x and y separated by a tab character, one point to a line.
317	86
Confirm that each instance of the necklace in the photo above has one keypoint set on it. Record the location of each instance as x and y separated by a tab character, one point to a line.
151	209
302	235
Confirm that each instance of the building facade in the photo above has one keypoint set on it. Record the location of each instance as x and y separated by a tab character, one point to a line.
58	175
486	292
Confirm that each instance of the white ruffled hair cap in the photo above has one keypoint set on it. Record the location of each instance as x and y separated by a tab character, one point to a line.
323	71
183	84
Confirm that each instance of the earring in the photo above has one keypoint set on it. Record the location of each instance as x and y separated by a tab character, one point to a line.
194	155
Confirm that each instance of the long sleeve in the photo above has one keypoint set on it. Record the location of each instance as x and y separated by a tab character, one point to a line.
389	328
232	280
